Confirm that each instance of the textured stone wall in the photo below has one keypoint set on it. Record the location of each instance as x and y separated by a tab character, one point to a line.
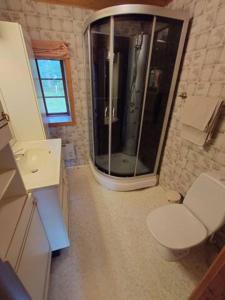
57	22
203	73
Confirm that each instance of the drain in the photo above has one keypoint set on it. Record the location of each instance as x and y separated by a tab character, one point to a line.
34	171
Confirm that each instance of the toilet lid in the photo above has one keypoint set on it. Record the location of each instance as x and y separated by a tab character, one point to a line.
175	227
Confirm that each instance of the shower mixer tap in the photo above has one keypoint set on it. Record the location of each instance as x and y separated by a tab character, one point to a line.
139	41
106	115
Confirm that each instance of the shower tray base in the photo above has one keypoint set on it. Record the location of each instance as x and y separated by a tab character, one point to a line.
123	183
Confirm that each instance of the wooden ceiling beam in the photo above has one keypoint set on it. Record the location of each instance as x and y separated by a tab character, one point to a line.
99	4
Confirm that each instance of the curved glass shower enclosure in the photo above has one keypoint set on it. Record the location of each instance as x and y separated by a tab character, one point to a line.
133	58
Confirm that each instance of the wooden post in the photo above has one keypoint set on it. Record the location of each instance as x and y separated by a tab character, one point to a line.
212	285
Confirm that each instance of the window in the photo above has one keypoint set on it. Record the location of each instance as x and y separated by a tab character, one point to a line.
53	86
53	66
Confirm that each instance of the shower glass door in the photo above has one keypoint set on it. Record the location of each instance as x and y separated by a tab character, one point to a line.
131	41
163	57
100	43
89	92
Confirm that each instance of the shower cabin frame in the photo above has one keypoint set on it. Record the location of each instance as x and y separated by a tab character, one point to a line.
151	179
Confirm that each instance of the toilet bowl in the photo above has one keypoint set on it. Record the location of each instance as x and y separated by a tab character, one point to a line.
177	228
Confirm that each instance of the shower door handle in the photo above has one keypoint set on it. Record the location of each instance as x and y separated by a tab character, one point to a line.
106	116
106	110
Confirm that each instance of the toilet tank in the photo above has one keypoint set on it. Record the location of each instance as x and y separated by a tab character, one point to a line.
206	200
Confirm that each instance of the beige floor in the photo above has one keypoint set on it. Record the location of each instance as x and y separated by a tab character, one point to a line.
112	254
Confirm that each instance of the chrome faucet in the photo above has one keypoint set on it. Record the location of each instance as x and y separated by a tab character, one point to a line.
19	153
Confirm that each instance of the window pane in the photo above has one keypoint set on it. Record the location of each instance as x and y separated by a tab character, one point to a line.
56	105
53	88
49	68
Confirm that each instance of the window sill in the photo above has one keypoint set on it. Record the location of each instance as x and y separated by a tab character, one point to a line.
60	120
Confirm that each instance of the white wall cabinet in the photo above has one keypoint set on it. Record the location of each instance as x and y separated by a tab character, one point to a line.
17	85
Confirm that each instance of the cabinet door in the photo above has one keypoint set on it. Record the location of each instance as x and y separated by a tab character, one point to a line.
34	264
5	132
17	84
52	217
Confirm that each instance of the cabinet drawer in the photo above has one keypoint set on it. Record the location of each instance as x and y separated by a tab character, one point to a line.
20	233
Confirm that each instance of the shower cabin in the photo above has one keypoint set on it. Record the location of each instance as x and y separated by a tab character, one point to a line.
133	54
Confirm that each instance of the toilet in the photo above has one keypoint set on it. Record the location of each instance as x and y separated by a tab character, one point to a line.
177	228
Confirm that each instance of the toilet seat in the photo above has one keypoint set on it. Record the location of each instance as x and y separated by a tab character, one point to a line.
175	227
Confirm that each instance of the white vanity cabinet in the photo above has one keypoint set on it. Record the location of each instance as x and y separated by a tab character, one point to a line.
53	207
34	264
29	251
23	241
48	185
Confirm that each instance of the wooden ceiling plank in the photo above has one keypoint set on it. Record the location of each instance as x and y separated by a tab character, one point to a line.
99	4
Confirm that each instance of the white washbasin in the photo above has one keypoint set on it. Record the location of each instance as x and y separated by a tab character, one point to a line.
39	162
35	160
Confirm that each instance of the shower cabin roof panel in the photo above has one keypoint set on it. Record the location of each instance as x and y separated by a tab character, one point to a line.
137	9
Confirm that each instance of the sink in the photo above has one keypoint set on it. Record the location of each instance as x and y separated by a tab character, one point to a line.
34	160
39	162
